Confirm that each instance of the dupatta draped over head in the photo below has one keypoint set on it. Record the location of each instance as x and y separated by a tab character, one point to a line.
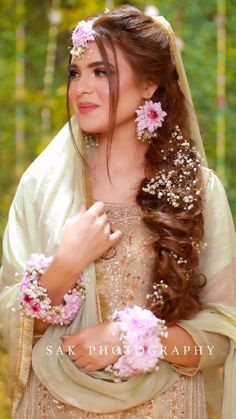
50	192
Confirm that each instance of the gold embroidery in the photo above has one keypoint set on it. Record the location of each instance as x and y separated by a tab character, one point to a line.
46	403
123	271
183	400
23	358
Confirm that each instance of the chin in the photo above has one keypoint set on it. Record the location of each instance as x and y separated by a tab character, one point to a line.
88	130
90	126
92	129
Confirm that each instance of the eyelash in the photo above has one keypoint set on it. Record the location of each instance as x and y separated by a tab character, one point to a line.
73	73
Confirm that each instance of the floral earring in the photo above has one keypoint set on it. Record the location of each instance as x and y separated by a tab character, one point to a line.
91	140
150	117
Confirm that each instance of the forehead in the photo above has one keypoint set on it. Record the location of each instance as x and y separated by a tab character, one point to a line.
93	54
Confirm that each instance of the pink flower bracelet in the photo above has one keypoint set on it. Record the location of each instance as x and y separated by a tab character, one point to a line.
34	300
140	333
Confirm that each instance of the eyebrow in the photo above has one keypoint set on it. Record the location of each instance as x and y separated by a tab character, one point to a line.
94	64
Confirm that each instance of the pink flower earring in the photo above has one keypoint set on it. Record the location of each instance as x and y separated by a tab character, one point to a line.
150	117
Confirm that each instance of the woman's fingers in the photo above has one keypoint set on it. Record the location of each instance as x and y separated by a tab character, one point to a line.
97	208
90	368
107	229
103	218
82	208
115	236
76	354
100	217
81	362
80	359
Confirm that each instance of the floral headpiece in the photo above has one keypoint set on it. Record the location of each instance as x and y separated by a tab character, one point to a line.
82	34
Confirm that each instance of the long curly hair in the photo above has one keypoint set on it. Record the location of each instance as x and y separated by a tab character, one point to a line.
179	231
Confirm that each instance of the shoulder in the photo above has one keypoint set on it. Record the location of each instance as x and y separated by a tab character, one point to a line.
53	171
212	186
216	207
59	148
219	229
55	163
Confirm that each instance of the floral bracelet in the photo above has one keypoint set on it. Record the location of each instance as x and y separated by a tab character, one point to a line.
34	300
140	333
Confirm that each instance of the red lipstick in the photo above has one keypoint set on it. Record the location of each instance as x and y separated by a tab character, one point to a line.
86	107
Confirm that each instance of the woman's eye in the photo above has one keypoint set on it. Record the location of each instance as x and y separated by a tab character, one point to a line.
99	72
73	74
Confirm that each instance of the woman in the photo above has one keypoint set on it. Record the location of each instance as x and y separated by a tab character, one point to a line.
126	226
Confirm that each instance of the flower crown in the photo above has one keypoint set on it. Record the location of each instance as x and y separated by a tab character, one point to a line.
82	34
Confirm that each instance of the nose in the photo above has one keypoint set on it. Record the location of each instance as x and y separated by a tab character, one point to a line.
83	85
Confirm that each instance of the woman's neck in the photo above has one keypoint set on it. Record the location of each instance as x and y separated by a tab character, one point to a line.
127	151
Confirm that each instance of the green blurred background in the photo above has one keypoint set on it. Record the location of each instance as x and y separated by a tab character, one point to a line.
33	71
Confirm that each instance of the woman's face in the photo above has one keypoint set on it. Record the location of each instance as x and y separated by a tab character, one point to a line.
89	90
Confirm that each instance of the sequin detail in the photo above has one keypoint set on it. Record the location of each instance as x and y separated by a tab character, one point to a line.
183	400
123	271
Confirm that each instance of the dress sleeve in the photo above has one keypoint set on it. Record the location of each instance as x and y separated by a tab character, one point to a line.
217	262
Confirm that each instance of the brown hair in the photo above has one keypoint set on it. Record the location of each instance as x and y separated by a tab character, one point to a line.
146	47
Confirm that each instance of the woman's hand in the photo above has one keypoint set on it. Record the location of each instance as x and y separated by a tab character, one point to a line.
94	348
85	238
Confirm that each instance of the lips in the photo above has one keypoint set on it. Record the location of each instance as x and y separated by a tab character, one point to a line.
86	107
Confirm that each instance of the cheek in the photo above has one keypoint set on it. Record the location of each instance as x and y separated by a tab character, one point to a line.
129	100
71	92
102	91
130	93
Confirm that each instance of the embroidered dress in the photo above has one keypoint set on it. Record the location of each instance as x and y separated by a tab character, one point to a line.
123	274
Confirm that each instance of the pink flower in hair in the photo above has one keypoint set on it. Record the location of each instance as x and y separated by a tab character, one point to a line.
82	34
